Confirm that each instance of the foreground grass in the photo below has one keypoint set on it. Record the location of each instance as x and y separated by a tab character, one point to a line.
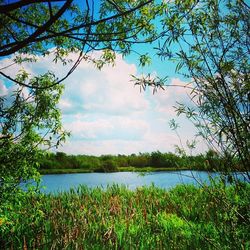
185	217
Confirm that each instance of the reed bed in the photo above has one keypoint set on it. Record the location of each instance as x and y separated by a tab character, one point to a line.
186	217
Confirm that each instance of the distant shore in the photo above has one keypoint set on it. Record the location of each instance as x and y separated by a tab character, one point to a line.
61	163
122	169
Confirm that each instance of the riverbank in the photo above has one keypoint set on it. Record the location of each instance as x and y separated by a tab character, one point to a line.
119	169
186	217
61	163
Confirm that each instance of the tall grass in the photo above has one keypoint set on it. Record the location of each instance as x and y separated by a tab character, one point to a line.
186	217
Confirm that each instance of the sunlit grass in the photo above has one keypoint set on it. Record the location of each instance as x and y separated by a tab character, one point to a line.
185	217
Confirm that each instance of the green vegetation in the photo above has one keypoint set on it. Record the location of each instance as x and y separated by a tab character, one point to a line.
144	162
63	32
186	217
209	41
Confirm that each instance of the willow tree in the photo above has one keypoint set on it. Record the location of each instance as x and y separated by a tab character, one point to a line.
29	117
209	42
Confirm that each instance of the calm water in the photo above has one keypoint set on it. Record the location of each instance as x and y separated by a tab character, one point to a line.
63	182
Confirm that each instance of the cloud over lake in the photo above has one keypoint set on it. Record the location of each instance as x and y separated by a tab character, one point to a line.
107	114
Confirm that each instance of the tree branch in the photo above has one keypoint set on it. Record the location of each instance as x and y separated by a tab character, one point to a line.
38	32
46	26
13	6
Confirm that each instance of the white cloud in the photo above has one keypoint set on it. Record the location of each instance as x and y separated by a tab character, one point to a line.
3	89
112	127
106	114
166	99
107	91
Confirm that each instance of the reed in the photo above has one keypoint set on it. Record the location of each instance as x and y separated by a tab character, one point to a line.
186	217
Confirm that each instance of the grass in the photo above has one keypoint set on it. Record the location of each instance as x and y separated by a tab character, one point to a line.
186	217
148	169
64	171
119	169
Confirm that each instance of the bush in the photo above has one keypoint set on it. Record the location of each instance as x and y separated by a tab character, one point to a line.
107	165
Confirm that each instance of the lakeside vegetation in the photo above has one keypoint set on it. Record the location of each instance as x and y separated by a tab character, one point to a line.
208	41
143	162
186	217
123	169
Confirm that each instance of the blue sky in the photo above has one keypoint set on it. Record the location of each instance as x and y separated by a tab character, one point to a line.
107	114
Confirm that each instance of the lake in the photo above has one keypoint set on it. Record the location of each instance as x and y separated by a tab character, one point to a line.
63	182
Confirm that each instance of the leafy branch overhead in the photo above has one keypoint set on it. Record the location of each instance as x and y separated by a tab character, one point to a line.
55	29
35	27
209	42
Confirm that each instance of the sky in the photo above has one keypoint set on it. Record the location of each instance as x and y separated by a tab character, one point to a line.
107	114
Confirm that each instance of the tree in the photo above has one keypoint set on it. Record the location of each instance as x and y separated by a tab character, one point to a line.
209	41
29	117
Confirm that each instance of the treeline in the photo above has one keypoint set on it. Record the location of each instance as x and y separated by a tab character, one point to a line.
142	161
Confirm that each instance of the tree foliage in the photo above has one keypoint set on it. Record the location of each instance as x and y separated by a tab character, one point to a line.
209	42
155	161
29	117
